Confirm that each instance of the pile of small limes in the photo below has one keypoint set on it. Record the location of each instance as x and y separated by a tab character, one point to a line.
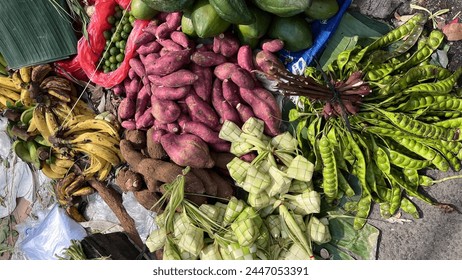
116	39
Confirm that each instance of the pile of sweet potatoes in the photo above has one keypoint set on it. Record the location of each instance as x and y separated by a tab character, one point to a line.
181	92
149	168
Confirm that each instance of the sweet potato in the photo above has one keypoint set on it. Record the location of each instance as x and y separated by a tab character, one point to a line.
201	111
183	118
147	198
163	31
179	78
137	137
224	110
269	99
266	61
273	45
242	78
262	111
149	59
245	58
207	58
204	47
224	71
245	112
222	147
158	125
143	101
169	45
169	93
173	127
226	44
187	150
203	85
154	148
137	66
128	181
126	109
132	74
132	87
225	189
203	131
229	113
231	92
151	47
145	120
181	39
165	111
248	157
209	184
173	20
151	29
119	89
145	37
128	124
157	134
169	63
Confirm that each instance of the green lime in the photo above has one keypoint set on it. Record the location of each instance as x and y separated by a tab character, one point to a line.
111	20
106	70
118	64
122	44
124	35
108	62
127	28
116	37
117	8
120	57
107	34
114	51
118	14
117	44
131	19
124	20
113	66
112	59
106	55
140	10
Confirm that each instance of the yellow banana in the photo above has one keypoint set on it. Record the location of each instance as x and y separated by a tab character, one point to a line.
92	125
76	184
18	82
98	150
64	162
26	97
99	138
46	169
104	172
11	94
4	100
25	73
59	170
80	107
87	190
96	163
52	124
74	213
73	120
66	180
41	123
7	82
54	82
39	72
60	94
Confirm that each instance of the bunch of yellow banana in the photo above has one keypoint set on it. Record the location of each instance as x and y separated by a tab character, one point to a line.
9	92
70	187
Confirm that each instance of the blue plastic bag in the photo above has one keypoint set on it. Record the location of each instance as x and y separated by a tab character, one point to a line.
322	31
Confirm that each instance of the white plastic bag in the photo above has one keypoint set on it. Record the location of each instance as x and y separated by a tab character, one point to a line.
47	239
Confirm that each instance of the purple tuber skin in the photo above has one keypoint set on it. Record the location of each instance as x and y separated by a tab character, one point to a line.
181	39
245	112
245	58
207	58
203	85
168	93
165	111
126	109
273	45
151	47
231	92
169	63
201	111
242	78
203	131
129	124
179	78
226	44
187	150
225	70
145	121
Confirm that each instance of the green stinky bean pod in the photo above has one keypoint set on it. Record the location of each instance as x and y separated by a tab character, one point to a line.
359	167
370	177
425	151
364	207
395	197
411	176
422	100
389	132
380	72
392	36
409	207
340	160
344	185
382	190
434	40
329	171
450	156
450	123
343	57
404	161
410	190
382	160
385	210
445	114
442	86
419	128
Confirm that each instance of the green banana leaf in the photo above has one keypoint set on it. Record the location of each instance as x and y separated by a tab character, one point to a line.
35	32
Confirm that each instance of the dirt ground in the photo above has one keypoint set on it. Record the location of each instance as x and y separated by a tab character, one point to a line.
436	235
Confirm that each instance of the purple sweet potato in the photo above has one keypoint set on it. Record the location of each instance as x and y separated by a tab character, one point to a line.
203	85
143	101
183	118
179	78
245	112
173	20
169	63
201	111
224	110
165	111
137	66
173	127
169	93
226	44
231	92
207	58
145	120
169	45
119	89
187	150
262	111
163	31
149	59
269	99
128	124
245	58
158	125
157	135
145	37
266	61
242	78
273	45
132	73
126	109
225	70
181	39
151	47
249	157
203	131
151	29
